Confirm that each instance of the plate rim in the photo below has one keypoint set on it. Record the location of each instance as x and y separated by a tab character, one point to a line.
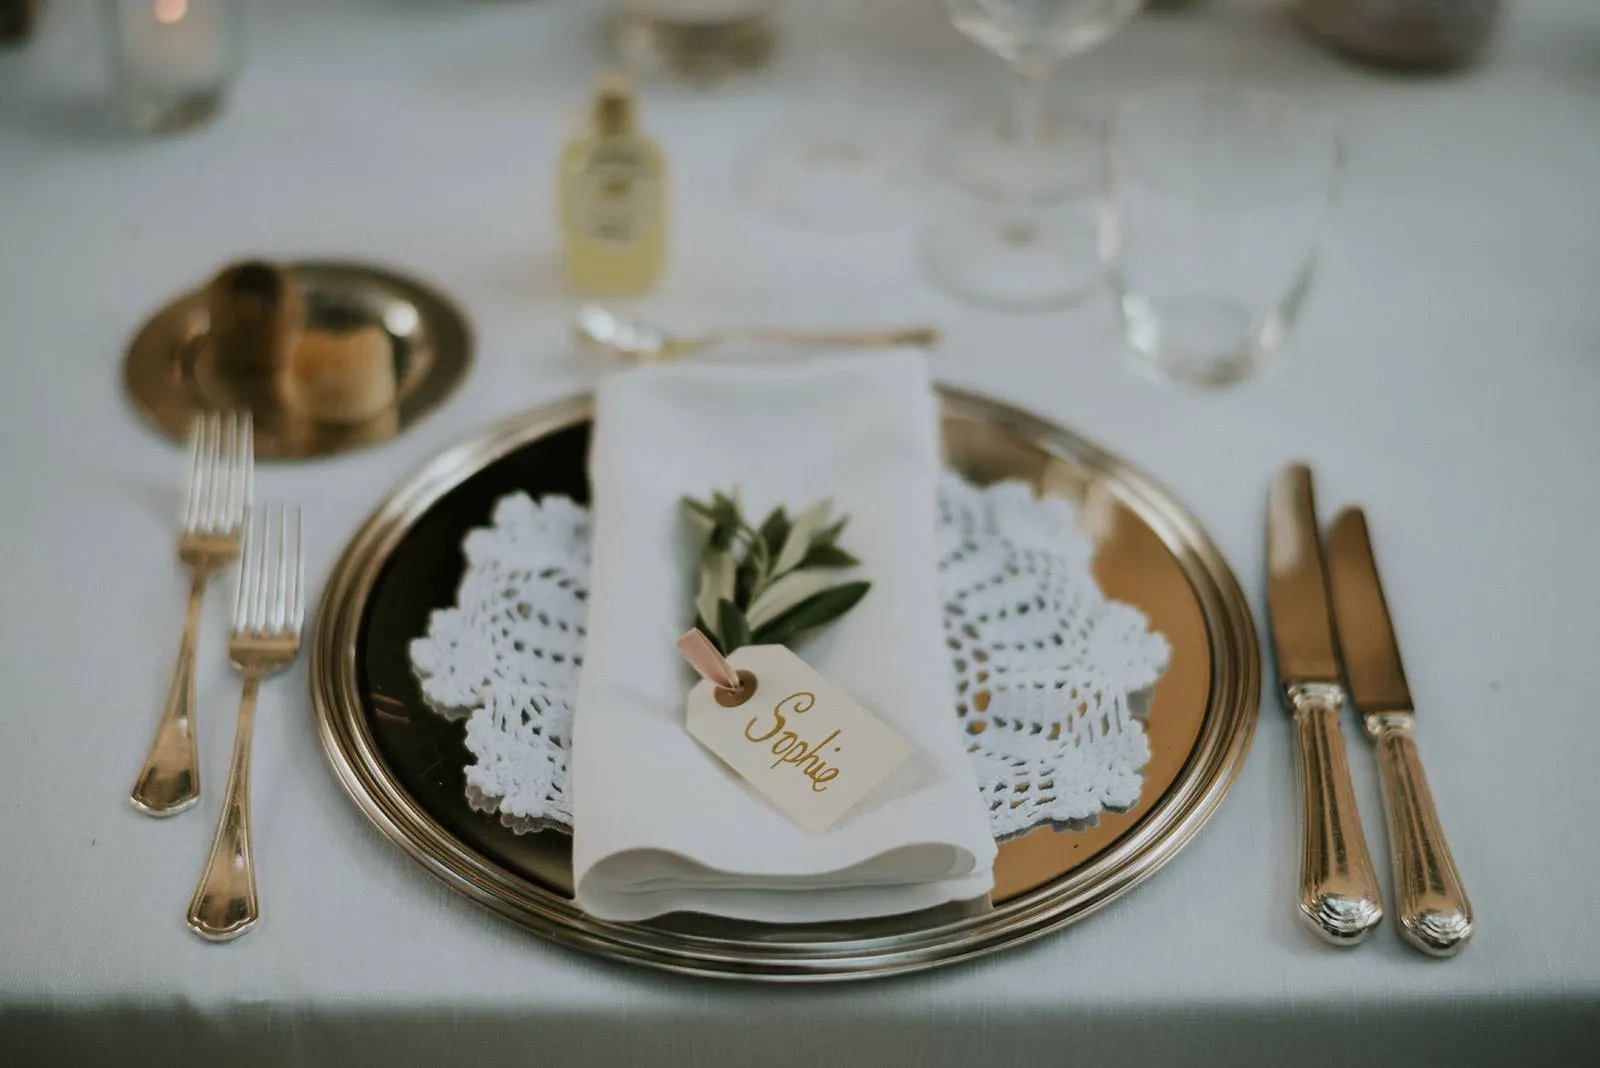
1209	770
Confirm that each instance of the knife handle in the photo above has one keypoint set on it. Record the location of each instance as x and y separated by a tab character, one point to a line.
1338	888
1435	915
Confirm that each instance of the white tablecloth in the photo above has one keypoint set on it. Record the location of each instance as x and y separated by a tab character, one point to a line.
1446	374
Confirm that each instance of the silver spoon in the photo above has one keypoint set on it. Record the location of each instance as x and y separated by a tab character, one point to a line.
641	342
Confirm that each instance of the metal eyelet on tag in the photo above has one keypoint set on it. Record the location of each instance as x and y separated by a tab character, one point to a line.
733	697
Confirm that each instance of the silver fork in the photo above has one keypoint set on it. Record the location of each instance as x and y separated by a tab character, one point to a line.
266	636
220	482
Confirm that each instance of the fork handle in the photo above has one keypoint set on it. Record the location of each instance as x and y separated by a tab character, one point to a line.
169	782
224	905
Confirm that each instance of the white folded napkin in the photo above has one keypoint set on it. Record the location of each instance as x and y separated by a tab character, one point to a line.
661	825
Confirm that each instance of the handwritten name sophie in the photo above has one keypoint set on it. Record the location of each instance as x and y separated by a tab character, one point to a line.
787	745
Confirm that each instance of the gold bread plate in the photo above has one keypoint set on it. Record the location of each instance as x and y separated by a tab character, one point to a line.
402	764
417	341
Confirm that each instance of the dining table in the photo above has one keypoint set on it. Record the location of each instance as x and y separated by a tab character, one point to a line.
1444	374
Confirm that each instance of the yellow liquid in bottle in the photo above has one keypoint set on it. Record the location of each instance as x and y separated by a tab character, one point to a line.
614	214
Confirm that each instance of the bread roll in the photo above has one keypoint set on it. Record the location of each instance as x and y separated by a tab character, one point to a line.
345	377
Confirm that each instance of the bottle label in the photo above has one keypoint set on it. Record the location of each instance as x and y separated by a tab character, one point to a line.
616	198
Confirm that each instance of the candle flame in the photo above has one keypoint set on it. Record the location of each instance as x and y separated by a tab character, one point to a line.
170	11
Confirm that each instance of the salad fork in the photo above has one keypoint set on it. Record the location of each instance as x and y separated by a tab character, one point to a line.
220	481
265	638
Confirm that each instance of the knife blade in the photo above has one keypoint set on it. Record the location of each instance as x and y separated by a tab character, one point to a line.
1366	635
1338	887
1297	587
1435	915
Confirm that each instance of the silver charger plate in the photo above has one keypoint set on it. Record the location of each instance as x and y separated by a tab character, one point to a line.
402	764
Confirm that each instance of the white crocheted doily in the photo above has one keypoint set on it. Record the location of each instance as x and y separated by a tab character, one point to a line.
506	658
1050	677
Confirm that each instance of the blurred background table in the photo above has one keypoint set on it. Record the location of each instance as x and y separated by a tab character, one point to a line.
1446	374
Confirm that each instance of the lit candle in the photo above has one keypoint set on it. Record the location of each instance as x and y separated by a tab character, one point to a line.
174	42
173	58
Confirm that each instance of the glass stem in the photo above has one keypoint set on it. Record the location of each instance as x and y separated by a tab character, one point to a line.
841	79
1027	121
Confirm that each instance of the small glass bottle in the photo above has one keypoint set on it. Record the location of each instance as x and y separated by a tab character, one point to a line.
172	61
613	201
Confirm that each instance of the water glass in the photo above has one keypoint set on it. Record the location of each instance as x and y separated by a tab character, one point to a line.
1217	202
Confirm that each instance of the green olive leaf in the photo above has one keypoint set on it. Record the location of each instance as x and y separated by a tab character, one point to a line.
769	583
799	539
823	554
716	585
785	593
829	535
734	627
811	613
774	530
746	581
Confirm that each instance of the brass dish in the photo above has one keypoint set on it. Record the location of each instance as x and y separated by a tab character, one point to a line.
170	373
402	764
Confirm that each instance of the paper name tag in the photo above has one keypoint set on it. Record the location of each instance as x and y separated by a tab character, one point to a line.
802	742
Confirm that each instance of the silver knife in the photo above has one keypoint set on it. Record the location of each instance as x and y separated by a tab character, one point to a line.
1435	915
1338	888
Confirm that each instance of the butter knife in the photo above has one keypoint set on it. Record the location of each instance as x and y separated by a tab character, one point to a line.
1435	916
1338	888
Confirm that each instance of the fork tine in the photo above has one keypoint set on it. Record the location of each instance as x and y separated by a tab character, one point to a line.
247	481
205	472
216	484
247	567
270	601
228	514
257	561
278	604
259	607
217	472
227	460
297	601
239	475
191	494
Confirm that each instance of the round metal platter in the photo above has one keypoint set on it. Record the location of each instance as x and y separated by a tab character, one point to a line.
403	764
168	375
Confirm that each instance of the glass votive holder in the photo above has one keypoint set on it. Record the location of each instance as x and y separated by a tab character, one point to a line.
1217	204
172	61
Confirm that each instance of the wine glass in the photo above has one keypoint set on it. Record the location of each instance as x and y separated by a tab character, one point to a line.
838	162
1021	255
